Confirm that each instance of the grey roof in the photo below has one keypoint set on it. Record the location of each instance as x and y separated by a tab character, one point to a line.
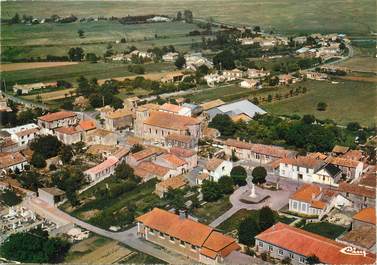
213	112
243	106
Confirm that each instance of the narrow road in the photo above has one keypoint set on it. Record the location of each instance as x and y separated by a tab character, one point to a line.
128	237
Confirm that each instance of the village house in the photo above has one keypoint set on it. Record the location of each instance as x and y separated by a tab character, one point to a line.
286	79
102	170
68	135
148	154
369	178
194	108
213	79
55	120
281	241
189	156
118	119
180	140
307	201
300	168
156	125
180	234
173	162
101	136
351	169
300	39
234	74
363	233
24	134
216	168
53	196
174	183
339	150
258	153
249	83
356	155
359	196
6	143
173	77
256	73
195	60
147	170
315	75
175	109
328	174
170	56
27	88
4	104
12	162
86	126
104	110
131	103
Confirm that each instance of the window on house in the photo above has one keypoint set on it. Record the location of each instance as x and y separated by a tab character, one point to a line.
193	247
172	239
151	231
302	260
280	252
347	194
260	244
162	235
307	170
270	248
150	130
182	243
291	256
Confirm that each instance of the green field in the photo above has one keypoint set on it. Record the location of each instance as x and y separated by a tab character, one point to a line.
281	15
24	41
325	229
72	72
347	101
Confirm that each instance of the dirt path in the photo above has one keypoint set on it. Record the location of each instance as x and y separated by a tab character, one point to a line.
23	66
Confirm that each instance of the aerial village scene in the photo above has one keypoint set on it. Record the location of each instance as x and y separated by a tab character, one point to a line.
188	132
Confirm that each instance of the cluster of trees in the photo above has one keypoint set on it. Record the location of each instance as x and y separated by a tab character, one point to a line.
9	197
99	95
34	247
212	191
16	117
187	16
253	225
305	133
45	147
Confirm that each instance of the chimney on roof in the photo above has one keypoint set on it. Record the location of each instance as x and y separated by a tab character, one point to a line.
182	214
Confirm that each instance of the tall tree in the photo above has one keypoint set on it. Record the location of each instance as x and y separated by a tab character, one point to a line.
259	175
266	218
180	62
188	16
247	230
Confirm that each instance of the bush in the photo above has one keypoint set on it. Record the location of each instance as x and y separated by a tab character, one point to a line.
211	191
259	175
226	184
238	174
38	160
321	106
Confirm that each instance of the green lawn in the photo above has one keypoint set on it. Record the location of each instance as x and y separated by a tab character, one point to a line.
325	229
142	196
283	15
234	221
211	210
347	101
72	72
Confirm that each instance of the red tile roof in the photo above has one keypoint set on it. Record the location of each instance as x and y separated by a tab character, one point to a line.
303	161
67	130
170	107
179	138
143	154
182	152
108	163
57	116
10	159
170	121
146	169
27	132
356	155
308	193
343	162
367	215
357	190
306	244
189	231
213	163
173	159
270	150
87	125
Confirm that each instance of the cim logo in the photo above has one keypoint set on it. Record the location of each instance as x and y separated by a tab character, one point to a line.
353	251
